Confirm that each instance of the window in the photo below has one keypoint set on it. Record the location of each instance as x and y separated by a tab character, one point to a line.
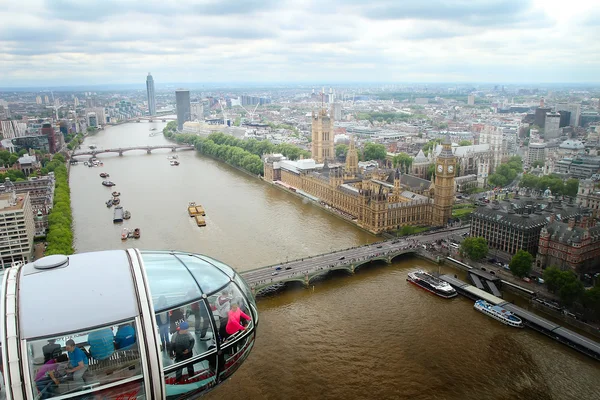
222	306
198	336
193	378
85	360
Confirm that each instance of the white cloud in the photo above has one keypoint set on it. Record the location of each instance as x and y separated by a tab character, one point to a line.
60	42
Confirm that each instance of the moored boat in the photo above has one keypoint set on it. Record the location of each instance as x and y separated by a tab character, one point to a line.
116	201
104	175
431	284
192	209
109	203
498	313
136	233
124	234
108	183
116	194
118	214
174	163
126	215
200	221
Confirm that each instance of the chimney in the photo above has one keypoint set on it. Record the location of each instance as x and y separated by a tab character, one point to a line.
571	223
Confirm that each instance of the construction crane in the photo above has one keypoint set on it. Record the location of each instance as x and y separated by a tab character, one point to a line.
223	111
54	106
253	113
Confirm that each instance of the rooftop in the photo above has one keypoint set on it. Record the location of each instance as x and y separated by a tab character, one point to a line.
10	202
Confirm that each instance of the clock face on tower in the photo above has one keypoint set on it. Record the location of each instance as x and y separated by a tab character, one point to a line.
450	168
440	168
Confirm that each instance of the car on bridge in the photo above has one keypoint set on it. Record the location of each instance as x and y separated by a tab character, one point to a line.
278	268
286	268
342	258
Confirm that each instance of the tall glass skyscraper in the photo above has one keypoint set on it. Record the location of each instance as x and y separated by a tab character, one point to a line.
182	98
151	96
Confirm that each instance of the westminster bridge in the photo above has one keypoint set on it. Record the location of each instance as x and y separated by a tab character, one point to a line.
307	270
121	150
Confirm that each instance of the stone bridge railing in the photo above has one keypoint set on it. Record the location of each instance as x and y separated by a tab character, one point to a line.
122	150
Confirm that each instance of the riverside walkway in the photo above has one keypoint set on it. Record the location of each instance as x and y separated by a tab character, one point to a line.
305	270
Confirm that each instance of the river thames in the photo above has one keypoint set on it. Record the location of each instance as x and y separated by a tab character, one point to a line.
366	336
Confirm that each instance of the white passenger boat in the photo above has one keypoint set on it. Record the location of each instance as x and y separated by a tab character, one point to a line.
499	313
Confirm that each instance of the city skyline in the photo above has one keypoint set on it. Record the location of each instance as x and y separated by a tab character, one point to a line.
258	42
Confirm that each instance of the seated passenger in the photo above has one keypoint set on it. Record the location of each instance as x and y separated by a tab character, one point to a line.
78	362
102	343
46	378
125	337
49	349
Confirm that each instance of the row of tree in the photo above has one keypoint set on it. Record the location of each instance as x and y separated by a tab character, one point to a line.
506	173
60	234
571	291
556	184
75	141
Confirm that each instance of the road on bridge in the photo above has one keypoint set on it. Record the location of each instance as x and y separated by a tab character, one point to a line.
299	268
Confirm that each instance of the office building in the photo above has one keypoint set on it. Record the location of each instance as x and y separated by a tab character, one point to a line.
17	228
512	225
92	120
588	196
182	100
588	117
535	152
552	129
579	166
337	111
540	116
48	130
151	95
197	110
471	100
38	100
574	109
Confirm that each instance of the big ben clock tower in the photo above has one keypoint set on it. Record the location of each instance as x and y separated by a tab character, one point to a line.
445	168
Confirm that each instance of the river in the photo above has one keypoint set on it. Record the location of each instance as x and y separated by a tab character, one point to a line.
366	336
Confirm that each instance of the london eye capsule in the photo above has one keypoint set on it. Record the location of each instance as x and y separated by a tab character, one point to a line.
123	324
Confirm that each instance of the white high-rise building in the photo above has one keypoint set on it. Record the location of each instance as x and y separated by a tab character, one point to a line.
17	227
151	95
38	100
337	111
197	110
471	100
552	127
493	136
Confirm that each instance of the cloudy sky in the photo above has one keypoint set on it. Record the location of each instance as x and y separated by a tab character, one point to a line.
88	42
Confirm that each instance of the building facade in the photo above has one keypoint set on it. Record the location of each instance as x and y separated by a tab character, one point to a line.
182	100
552	129
151	95
573	245
17	229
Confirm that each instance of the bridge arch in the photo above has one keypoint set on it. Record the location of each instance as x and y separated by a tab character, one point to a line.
370	261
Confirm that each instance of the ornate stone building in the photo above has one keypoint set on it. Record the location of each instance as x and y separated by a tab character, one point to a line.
420	165
377	200
572	245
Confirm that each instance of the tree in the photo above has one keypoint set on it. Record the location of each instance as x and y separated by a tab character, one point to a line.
402	160
475	248
429	146
565	283
571	187
464	143
520	264
537	163
373	151
341	150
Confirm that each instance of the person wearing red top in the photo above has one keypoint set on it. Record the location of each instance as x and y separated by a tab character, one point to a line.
233	321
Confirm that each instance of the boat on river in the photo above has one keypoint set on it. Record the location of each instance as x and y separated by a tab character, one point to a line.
116	201
124	234
118	214
432	284
126	215
174	163
109	203
108	183
136	233
200	221
104	175
116	194
498	313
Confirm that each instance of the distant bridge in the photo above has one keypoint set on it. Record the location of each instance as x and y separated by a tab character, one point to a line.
307	270
154	118
121	150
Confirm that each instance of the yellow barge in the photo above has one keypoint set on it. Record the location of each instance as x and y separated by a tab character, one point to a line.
194	210
200	220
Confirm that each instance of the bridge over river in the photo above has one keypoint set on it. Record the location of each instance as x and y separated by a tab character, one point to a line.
121	150
308	269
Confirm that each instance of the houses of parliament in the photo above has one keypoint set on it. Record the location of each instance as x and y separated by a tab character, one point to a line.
376	200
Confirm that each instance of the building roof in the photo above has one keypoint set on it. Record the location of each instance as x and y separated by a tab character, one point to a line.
560	232
27	159
526	212
570	144
462	151
420	158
